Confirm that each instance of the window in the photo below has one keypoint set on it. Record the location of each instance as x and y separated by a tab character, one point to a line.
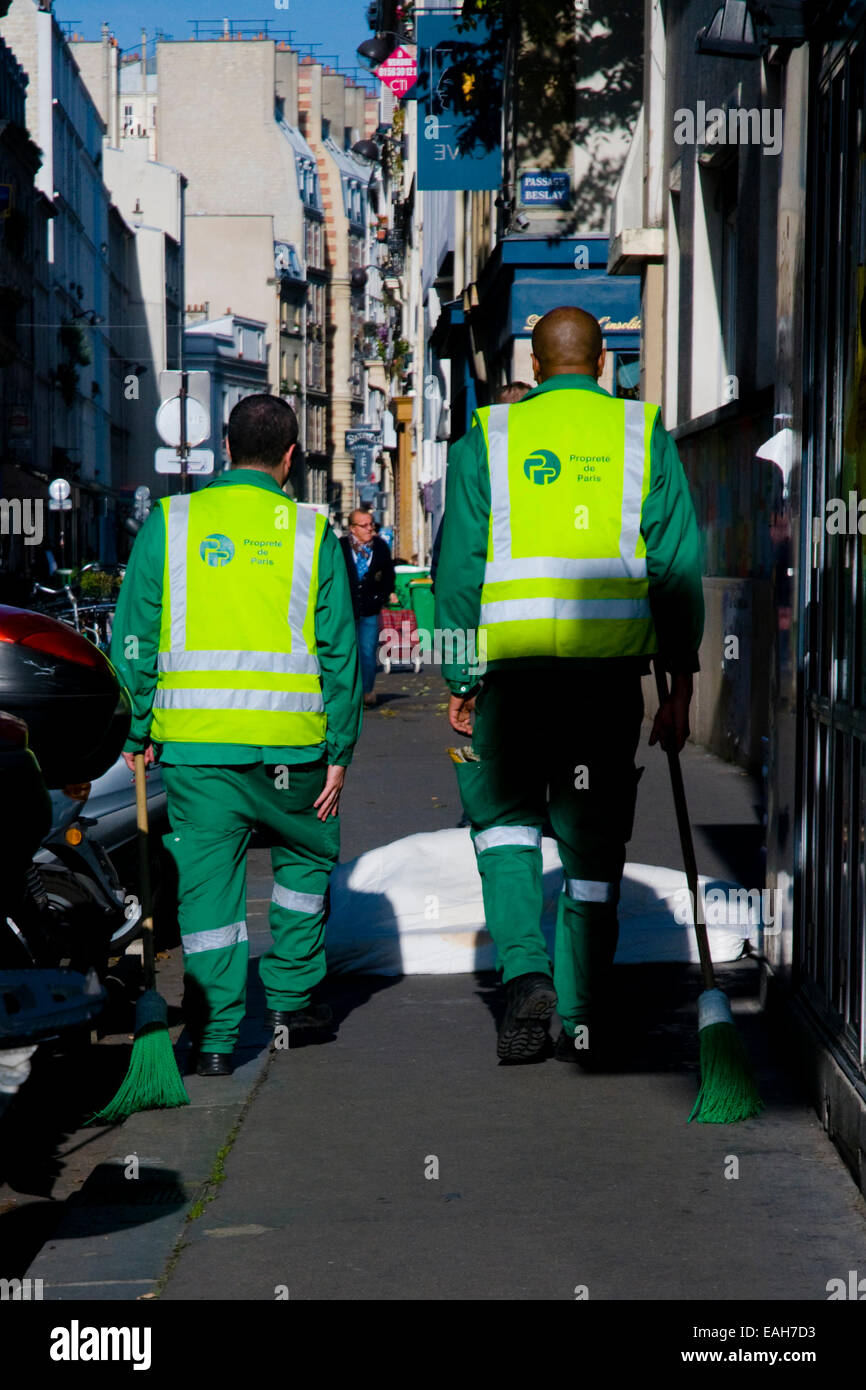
315	428
626	375
313	242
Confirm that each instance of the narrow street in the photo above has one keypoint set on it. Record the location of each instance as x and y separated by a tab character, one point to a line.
544	1182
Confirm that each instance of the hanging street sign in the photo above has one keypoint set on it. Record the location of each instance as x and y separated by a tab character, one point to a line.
365	466
364	436
399	71
459	95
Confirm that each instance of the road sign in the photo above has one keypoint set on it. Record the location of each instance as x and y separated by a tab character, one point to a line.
197	422
197	385
142	503
198	461
59	490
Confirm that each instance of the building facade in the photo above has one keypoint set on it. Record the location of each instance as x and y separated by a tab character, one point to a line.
742	209
75	410
232	349
23	217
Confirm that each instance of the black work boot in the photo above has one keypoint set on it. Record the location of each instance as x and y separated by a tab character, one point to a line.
312	1016
214	1064
523	1031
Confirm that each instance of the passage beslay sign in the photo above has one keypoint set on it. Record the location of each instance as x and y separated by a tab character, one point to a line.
545	188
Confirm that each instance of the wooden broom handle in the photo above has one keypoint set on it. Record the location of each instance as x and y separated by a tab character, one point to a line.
144	872
686	844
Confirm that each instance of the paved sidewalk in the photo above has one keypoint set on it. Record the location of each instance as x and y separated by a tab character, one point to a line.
400	1161
312	1171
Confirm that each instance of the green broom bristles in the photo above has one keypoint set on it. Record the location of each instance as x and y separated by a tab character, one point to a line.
152	1081
728	1090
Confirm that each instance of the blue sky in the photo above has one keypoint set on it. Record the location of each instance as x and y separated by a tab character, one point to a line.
337	25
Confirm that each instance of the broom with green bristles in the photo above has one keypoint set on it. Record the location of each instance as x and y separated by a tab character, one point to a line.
728	1089
153	1080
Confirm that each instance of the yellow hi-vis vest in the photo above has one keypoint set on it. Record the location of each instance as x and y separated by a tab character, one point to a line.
566	568
237	643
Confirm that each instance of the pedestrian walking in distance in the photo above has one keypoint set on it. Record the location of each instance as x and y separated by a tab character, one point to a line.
235	636
370	569
570	547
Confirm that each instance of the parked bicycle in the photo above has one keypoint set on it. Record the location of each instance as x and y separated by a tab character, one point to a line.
85	600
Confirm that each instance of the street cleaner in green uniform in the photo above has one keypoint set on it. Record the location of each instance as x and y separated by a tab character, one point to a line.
570	554
235	635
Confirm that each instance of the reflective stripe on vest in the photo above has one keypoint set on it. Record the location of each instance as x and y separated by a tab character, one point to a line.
550	590
237	660
190	698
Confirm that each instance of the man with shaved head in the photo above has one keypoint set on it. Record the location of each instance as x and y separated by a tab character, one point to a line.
570	554
566	340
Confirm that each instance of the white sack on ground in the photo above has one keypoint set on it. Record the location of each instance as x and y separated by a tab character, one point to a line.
414	908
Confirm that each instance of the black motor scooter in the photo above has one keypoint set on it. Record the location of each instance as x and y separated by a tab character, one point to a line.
63	719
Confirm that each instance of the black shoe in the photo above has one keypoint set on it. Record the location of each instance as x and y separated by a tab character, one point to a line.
313	1016
214	1064
523	1031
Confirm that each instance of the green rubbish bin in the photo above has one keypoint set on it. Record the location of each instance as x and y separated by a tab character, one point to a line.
423	606
404	575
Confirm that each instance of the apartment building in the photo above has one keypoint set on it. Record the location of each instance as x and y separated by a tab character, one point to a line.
334	114
23	218
71	348
232	350
150	197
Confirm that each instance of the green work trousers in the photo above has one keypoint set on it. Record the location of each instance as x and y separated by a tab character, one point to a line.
555	750
212	812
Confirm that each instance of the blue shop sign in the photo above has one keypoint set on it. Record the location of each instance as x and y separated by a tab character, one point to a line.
545	187
613	299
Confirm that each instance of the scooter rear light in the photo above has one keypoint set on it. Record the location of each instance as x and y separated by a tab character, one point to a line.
69	646
77	791
44	634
